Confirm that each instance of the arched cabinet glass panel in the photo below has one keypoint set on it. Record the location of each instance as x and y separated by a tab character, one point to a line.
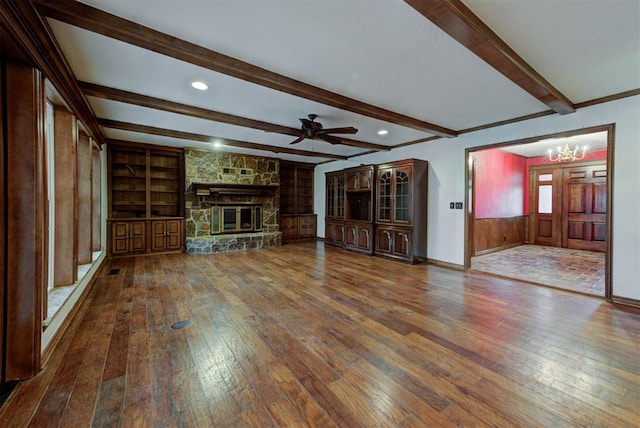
402	196
384	196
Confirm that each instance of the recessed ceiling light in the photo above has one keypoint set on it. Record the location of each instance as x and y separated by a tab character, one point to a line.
201	86
383	132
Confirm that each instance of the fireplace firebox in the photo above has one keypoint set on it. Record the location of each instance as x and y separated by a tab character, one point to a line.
237	218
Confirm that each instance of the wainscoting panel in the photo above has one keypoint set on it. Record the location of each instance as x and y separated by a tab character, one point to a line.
493	234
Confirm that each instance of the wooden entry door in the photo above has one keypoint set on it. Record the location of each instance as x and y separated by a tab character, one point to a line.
584	207
545	199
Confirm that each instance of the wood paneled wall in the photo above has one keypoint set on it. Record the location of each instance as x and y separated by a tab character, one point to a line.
96	198
66	141
84	164
493	234
25	218
3	242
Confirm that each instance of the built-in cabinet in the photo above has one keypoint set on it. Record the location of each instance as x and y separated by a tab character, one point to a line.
297	220
335	203
128	237
379	209
166	235
146	199
359	192
401	213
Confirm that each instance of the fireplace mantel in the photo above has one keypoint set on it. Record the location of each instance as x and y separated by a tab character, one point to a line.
223	189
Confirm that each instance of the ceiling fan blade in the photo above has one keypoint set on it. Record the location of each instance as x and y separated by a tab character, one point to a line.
297	140
330	139
345	130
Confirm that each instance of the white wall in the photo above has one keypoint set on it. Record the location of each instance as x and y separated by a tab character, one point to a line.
446	182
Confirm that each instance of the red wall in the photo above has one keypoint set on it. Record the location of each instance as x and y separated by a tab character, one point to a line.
500	184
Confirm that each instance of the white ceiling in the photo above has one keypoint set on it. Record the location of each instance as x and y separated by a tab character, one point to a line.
382	52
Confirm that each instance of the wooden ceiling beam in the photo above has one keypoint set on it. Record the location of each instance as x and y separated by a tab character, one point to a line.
91	89
144	129
21	20
98	21
457	20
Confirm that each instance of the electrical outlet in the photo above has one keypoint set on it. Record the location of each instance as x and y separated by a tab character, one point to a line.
452	205
458	205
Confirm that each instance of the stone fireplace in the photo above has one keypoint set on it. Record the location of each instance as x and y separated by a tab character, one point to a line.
232	202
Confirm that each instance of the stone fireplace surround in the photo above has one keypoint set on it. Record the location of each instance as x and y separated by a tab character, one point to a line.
237	172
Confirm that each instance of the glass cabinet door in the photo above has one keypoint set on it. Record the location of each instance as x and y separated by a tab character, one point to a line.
401	212
384	196
340	197
331	197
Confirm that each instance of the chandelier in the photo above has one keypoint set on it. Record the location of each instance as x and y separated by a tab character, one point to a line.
566	154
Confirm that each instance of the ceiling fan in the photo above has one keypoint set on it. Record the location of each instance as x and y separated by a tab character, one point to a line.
312	129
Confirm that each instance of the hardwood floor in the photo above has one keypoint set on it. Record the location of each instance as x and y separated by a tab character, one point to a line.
302	335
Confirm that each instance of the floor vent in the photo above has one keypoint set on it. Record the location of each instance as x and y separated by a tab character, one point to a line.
180	324
114	272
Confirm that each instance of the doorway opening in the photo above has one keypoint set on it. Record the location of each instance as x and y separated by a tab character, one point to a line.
539	219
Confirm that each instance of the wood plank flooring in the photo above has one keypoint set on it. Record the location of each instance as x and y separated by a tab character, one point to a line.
301	335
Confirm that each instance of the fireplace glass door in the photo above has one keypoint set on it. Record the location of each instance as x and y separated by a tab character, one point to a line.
235	218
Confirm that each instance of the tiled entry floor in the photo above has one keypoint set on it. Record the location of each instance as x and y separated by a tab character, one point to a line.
576	270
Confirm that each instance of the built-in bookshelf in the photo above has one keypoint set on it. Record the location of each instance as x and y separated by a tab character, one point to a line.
297	220
146	195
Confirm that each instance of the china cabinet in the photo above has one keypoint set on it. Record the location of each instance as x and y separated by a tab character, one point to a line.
335	208
401	210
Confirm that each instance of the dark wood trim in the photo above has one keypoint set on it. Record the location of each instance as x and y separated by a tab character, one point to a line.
608	98
24	24
562	165
98	21
91	89
526	140
470	204
447	265
457	20
418	141
608	255
216	189
625	301
4	191
507	121
133	127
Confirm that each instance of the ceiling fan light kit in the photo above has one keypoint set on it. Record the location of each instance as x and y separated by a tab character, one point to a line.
314	130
